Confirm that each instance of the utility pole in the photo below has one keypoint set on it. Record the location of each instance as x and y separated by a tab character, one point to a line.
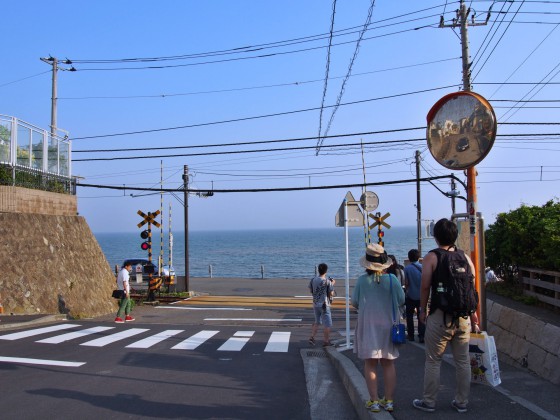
418	205
186	205
462	22
54	63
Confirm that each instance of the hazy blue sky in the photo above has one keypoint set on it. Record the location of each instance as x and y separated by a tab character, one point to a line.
211	77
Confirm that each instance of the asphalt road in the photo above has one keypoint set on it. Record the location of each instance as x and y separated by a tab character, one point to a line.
228	363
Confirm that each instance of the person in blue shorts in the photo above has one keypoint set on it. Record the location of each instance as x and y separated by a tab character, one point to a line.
322	289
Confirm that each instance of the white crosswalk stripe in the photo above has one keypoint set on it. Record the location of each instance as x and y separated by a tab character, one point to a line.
278	342
236	343
154	339
196	340
37	331
103	341
72	335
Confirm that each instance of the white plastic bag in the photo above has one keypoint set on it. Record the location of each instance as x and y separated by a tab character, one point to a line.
484	360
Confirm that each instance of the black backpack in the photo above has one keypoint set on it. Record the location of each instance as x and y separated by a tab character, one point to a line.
453	289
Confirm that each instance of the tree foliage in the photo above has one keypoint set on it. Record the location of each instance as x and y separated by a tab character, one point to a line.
528	236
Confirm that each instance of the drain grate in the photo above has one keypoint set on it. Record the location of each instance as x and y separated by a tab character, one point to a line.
316	353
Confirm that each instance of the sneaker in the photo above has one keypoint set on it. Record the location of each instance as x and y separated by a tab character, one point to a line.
129	318
119	320
421	405
459	407
312	341
327	344
387	404
373	406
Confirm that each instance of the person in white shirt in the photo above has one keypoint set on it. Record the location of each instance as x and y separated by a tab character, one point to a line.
125	305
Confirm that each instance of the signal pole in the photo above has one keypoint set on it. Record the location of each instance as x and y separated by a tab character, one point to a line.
462	22
186	202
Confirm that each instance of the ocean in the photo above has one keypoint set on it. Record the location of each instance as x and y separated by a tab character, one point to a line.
287	253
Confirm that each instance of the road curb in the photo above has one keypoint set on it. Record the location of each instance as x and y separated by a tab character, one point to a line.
5	323
355	385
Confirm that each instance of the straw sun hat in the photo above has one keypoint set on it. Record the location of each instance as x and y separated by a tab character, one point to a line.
376	258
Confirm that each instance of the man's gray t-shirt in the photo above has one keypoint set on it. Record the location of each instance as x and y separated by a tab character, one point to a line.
319	288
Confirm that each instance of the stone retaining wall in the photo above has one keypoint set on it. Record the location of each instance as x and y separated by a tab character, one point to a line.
25	200
525	341
52	264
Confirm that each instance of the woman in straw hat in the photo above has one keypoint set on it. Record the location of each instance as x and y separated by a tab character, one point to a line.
374	295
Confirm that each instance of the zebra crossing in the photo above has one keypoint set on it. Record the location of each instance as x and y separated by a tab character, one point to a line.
278	341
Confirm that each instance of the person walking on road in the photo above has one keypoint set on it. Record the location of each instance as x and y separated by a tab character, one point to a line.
412	281
125	305
374	295
322	289
441	327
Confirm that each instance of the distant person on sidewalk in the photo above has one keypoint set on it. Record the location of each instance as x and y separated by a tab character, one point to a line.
412	281
322	289
490	275
374	295
443	328
396	269
125	305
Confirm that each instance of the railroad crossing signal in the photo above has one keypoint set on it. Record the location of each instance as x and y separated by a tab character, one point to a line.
148	218
380	222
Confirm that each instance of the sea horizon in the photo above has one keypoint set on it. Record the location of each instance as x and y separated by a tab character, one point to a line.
256	253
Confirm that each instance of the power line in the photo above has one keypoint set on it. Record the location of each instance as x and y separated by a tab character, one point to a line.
243	151
261	116
348	73
327	67
255	190
247	143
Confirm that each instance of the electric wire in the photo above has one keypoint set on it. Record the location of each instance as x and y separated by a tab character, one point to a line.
327	67
348	73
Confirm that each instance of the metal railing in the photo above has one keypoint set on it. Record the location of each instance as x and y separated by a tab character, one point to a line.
32	157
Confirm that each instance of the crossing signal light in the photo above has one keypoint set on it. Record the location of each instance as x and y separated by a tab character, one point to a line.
380	235
145	234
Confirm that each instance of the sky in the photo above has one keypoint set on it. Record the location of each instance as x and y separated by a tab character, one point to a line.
178	74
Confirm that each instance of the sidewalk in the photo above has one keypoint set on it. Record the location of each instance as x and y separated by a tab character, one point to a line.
521	395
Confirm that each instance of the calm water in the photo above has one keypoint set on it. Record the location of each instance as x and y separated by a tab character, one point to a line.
283	253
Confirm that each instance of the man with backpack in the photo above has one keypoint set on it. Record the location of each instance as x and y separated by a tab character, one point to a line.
322	289
447	276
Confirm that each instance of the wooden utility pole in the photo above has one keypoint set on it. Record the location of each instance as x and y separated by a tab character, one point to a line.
418	205
463	23
186	205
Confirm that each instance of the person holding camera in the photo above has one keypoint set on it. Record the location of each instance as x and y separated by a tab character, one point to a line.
322	289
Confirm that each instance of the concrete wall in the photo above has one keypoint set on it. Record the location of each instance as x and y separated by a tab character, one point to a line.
52	264
25	200
525	341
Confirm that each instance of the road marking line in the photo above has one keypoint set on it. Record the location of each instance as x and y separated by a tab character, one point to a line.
192	308
37	331
278	342
256	319
103	341
196	340
154	339
237	342
40	362
72	335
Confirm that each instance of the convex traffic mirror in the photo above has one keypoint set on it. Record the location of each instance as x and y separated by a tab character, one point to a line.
461	130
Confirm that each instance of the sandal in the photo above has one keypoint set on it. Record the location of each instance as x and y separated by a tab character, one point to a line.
312	341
